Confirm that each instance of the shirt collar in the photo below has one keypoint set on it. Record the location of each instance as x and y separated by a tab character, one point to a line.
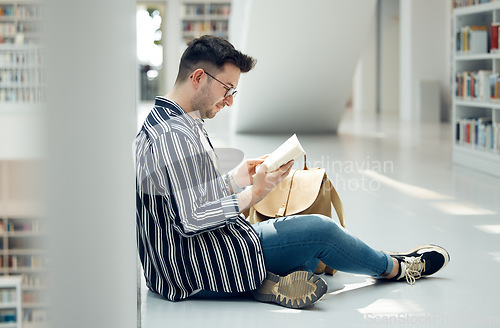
174	110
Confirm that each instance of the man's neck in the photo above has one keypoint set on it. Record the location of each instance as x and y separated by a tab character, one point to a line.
178	97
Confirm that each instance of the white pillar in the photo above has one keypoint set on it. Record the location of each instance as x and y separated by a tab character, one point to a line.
173	49
89	185
405	60
424	52
364	98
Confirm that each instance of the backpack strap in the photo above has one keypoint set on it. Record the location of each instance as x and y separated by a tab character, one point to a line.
337	203
282	209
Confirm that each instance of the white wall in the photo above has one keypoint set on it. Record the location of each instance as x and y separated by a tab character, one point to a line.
425	52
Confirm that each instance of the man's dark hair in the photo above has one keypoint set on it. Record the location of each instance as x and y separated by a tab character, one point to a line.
211	53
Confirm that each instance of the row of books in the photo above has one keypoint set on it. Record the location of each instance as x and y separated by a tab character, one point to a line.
10	77
483	85
478	133
34	280
211	9
35	316
20	58
32	297
8	295
476	39
7	316
8	28
20	225
26	11
473	39
465	3
213	27
28	95
7	11
21	11
24	261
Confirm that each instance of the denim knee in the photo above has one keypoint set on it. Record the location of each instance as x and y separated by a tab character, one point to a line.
323	227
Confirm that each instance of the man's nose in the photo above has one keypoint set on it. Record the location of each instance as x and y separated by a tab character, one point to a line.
229	100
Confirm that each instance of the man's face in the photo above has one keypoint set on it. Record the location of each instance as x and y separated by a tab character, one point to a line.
210	99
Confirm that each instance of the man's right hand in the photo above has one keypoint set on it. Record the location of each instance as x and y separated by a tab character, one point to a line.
263	183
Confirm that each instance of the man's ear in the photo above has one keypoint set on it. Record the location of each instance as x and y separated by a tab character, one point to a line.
196	77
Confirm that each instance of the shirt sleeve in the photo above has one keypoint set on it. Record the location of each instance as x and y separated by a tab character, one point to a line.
180	172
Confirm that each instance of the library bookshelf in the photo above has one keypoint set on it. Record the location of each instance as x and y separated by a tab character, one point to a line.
205	17
22	239
476	100
22	257
22	253
21	53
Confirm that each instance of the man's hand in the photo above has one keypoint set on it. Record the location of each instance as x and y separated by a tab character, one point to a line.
263	183
243	174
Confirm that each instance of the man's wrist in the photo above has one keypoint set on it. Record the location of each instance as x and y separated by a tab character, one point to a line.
245	199
233	187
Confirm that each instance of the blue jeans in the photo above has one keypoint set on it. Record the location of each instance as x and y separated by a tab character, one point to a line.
299	242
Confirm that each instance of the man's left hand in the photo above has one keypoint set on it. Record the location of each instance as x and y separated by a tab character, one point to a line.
243	174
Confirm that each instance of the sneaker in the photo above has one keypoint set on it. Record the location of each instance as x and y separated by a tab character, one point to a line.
420	262
295	290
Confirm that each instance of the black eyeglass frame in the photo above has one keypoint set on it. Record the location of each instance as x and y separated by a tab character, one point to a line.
230	91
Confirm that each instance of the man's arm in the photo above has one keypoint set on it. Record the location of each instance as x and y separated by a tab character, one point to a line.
177	170
263	183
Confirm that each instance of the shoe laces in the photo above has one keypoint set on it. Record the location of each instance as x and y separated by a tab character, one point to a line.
414	266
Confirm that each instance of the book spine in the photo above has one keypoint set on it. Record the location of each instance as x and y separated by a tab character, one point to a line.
494	37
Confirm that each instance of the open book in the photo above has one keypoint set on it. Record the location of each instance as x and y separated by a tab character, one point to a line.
290	149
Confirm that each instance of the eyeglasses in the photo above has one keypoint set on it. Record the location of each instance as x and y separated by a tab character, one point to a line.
230	91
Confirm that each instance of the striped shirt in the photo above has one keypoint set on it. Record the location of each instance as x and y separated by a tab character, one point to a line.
189	233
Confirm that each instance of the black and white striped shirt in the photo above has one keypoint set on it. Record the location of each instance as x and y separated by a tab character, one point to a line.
189	233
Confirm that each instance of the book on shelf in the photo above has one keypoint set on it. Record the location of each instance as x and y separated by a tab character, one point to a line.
472	39
494	37
478	85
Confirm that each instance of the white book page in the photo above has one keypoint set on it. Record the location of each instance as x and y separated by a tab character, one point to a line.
290	149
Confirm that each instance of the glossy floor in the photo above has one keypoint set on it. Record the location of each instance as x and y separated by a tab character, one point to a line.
399	190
